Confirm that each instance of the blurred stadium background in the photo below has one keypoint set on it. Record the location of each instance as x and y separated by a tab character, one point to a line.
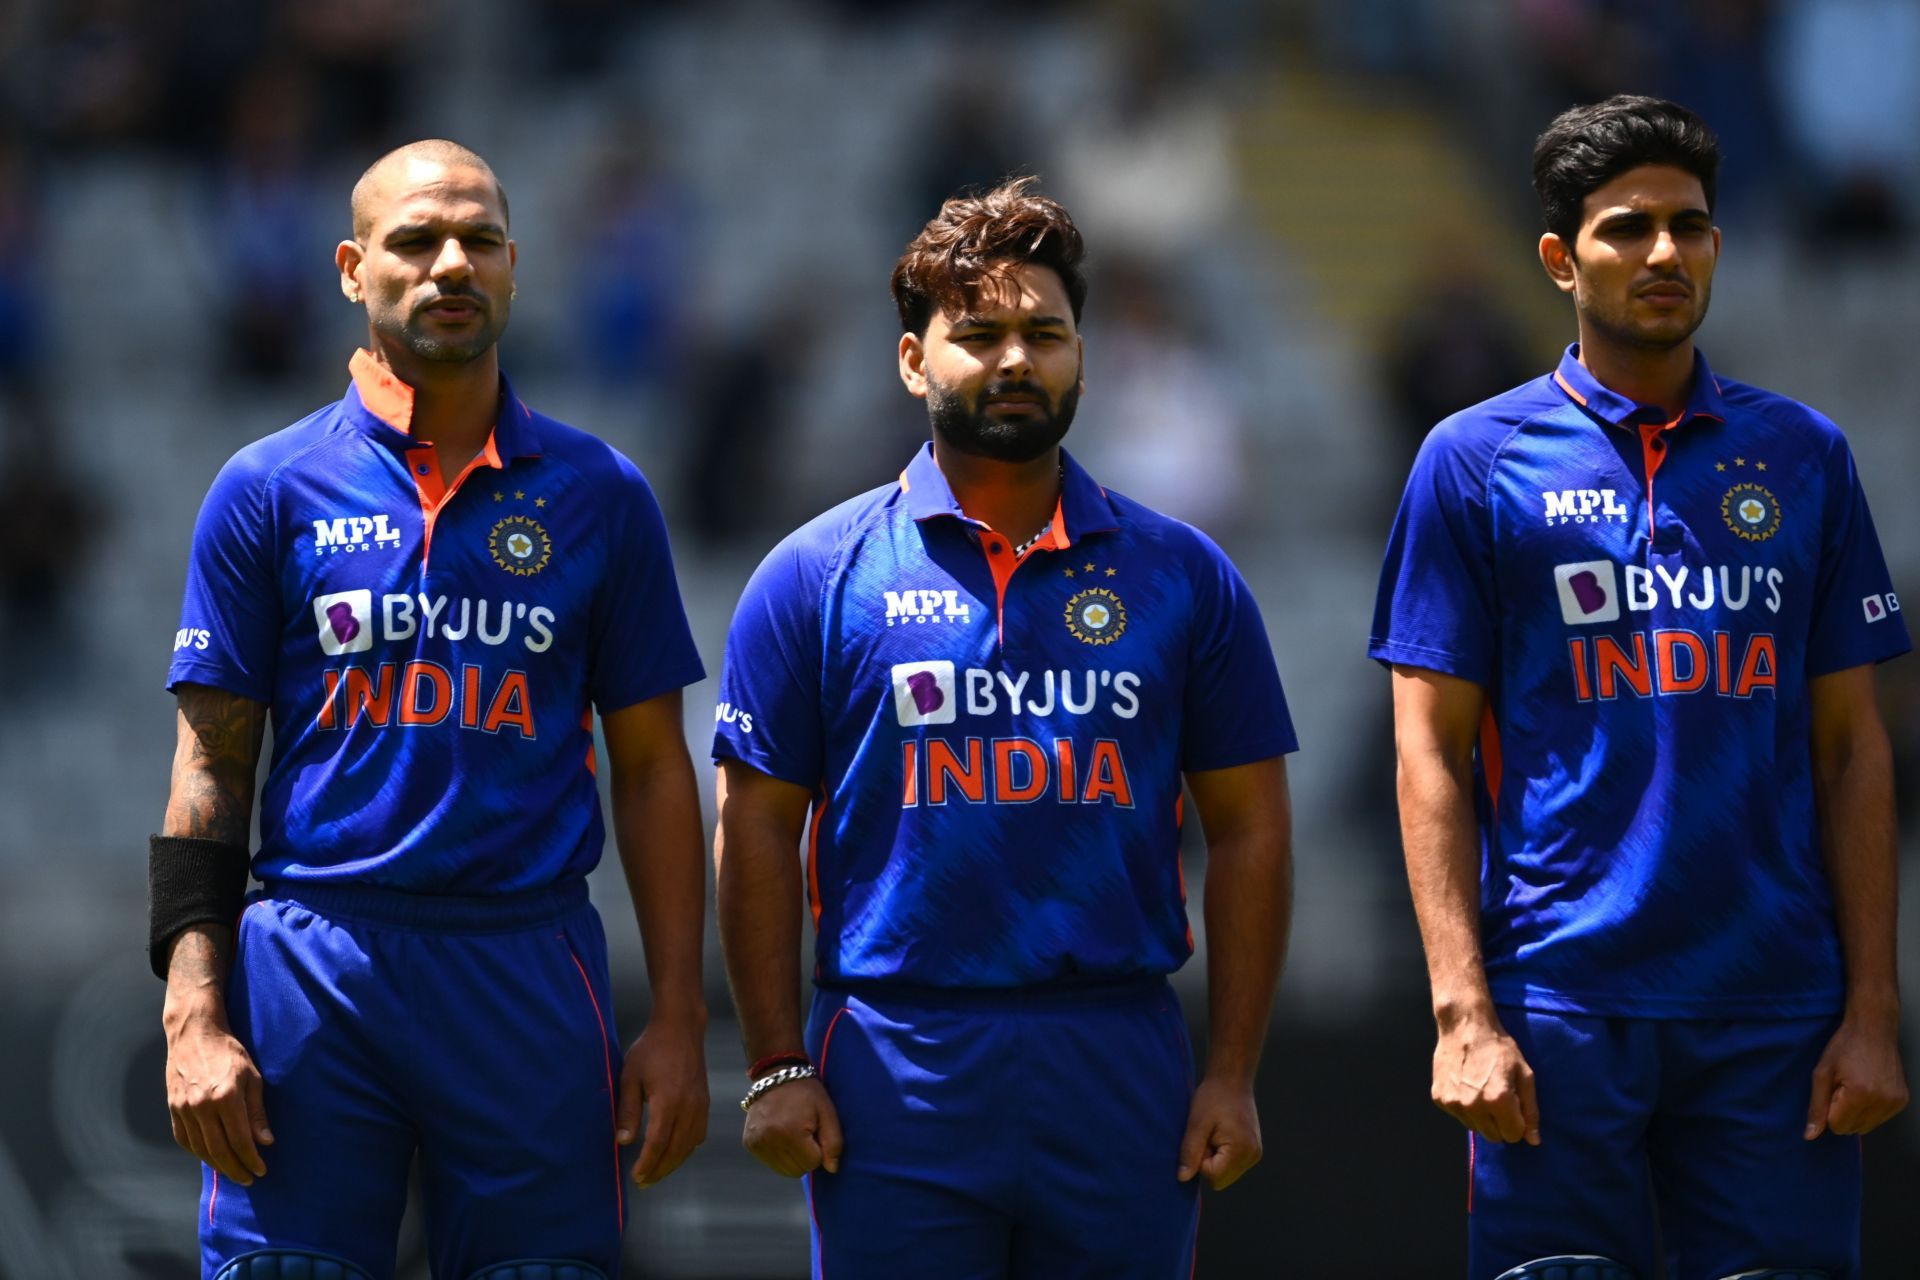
1312	236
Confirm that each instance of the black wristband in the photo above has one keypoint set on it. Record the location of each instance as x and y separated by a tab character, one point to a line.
190	881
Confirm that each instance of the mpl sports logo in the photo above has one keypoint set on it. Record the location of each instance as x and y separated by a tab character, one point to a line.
354	533
1583	506
923	606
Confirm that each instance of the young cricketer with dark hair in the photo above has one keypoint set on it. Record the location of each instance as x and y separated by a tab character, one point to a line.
986	681
1632	610
428	588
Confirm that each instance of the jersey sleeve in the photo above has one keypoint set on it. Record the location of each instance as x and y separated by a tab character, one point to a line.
230	622
1436	606
1856	615
769	710
641	644
1235	711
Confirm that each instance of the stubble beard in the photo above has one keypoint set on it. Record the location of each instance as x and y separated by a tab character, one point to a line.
433	349
1619	327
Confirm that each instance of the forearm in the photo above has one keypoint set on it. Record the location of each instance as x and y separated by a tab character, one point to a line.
216	749
657	829
210	797
758	875
1854	790
197	970
1441	840
1248	909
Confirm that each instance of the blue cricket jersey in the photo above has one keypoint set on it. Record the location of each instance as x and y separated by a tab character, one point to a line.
995	744
1645	602
430	646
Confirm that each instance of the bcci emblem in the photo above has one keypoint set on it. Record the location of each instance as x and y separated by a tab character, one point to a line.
1751	511
520	546
1096	616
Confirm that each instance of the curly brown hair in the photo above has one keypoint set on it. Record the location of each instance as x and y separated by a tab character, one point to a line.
977	235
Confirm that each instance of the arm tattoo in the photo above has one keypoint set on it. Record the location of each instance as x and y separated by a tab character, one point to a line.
213	764
200	957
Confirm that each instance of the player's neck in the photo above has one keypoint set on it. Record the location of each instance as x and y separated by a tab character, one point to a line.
454	405
1014	499
1657	377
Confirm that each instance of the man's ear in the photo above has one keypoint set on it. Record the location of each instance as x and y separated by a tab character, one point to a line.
348	256
1557	257
913	364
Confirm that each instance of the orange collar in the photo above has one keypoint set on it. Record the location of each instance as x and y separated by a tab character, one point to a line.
381	391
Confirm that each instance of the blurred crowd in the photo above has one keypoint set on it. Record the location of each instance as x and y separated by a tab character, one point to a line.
259	112
261	104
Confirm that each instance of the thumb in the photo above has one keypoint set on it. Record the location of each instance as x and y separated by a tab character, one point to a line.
626	1120
1823	1088
255	1095
832	1141
1530	1109
1193	1145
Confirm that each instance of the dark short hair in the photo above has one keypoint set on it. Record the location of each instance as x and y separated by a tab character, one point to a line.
980	234
1587	147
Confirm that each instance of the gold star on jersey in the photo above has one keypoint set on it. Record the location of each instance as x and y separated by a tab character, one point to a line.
1751	511
1096	616
519	544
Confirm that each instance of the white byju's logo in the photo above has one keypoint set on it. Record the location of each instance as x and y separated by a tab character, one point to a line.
353	533
1583	506
1878	607
923	693
1589	591
905	607
345	619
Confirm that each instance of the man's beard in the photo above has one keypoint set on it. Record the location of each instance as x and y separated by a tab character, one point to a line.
1623	329
968	428
439	349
